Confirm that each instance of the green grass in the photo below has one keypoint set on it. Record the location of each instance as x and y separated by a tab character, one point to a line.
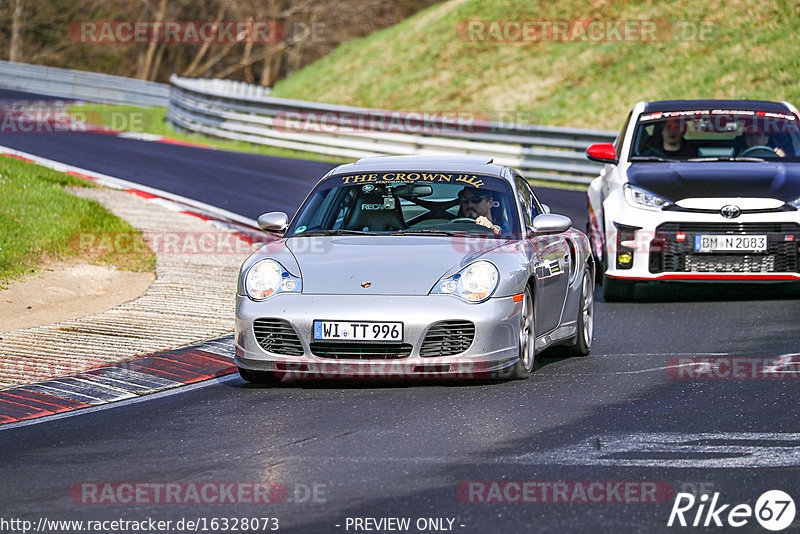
421	64
41	222
154	121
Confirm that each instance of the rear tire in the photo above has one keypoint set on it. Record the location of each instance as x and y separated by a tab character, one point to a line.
259	377
583	338
527	340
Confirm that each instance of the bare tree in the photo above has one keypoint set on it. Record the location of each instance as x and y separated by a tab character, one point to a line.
146	60
43	32
16	31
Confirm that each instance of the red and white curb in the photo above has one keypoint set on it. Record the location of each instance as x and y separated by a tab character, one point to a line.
140	136
143	375
119	381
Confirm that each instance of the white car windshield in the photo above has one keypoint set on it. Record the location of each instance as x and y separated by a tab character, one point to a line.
714	135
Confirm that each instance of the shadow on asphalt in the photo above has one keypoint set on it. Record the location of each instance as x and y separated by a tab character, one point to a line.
547	357
710	292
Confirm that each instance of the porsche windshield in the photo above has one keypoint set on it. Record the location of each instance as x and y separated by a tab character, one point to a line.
716	135
437	203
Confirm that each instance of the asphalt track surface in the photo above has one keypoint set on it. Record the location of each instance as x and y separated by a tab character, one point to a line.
402	449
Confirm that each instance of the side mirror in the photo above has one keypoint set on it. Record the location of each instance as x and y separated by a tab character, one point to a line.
274	221
602	152
550	223
545	208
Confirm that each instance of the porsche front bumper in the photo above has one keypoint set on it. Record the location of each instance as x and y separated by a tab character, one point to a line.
494	346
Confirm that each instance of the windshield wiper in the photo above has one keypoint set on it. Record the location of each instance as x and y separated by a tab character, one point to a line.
650	158
333	232
431	231
727	158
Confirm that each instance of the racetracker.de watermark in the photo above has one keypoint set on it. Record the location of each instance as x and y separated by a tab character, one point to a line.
206	492
408	122
584	30
175	32
431	368
214	242
786	367
37	120
564	492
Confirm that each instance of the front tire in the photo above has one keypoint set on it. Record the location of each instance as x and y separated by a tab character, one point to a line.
583	338
523	368
259	377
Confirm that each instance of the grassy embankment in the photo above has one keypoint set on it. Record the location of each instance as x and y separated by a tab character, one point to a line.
746	50
41	223
731	49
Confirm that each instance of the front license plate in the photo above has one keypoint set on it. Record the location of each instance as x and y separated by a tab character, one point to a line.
730	243
390	332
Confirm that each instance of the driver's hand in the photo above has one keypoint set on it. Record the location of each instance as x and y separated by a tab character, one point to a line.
484	221
779	151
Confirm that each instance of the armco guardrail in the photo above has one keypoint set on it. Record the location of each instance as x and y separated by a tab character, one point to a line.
240	112
82	85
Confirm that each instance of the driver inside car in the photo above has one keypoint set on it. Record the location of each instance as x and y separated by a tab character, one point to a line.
477	204
760	139
671	143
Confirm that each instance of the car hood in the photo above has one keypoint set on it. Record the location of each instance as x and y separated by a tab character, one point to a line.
675	181
392	265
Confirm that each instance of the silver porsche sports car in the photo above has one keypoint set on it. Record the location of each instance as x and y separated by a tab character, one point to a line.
411	266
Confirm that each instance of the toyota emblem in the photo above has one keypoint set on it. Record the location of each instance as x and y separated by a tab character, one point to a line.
730	211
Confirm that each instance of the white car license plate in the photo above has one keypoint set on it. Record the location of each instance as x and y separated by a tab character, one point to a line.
391	332
730	243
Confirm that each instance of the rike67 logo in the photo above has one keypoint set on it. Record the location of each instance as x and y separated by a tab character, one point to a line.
774	510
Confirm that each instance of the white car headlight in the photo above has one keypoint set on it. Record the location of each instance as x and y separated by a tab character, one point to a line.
795	203
475	283
640	198
268	277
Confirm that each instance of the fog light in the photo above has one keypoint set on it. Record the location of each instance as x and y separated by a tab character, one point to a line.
448	286
288	284
626	243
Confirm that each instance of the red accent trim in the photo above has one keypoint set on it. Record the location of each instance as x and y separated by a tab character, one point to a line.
140	193
79	175
185	366
172	141
18	157
59	404
21	411
44	406
250	239
201	217
710	276
595	242
602	152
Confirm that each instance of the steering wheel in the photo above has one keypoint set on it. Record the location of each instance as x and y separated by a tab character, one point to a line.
756	148
462	220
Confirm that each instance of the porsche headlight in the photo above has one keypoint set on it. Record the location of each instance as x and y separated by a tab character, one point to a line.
795	203
643	199
268	277
475	283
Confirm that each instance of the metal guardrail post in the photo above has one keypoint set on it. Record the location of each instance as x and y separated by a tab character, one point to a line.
81	85
247	113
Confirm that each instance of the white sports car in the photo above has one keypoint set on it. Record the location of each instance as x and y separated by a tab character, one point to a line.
698	190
